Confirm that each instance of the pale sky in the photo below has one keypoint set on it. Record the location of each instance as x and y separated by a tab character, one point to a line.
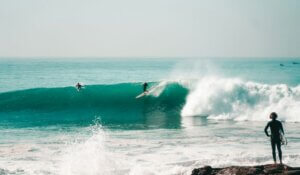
146	28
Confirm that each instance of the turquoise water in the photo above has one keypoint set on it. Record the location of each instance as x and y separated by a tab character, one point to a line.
19	74
202	111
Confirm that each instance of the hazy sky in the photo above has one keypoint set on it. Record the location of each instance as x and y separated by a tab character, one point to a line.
160	28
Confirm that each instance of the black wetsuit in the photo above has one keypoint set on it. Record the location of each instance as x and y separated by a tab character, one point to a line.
145	85
275	127
78	86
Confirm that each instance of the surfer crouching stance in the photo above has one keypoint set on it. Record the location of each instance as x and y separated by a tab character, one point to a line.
276	128
145	85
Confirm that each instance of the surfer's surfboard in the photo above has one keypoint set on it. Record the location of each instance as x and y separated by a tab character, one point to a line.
142	94
283	139
147	92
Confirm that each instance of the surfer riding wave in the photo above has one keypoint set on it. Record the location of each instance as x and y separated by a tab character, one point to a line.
145	85
79	86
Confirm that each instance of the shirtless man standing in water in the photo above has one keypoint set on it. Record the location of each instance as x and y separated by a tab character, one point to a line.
276	128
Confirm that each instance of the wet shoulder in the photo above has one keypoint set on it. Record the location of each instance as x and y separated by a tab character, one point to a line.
278	122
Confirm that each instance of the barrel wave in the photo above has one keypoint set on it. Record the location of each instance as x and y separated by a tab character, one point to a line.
110	104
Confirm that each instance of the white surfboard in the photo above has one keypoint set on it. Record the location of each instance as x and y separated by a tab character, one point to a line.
142	94
283	139
148	92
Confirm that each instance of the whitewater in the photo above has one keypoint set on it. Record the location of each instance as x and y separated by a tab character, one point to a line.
203	112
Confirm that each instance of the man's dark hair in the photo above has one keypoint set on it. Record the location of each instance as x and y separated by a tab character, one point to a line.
273	115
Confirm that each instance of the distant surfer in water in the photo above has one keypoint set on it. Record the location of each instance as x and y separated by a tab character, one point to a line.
145	85
276	128
78	86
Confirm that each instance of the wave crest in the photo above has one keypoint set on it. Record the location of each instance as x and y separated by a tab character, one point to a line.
212	97
220	98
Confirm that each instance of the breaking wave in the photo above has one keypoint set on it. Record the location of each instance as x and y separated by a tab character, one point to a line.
210	97
235	99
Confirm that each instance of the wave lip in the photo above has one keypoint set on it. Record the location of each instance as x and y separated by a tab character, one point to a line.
223	99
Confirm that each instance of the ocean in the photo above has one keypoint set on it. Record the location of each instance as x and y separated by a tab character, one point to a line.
201	112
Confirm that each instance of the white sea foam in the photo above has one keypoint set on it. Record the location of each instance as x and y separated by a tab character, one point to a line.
166	152
89	157
149	152
156	90
229	98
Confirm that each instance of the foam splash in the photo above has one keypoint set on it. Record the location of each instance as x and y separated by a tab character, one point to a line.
97	150
232	98
158	89
90	156
103	154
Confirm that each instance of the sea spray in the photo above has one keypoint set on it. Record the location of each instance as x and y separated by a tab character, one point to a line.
90	156
235	99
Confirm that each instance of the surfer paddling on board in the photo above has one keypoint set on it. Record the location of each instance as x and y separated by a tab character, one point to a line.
78	86
276	139
145	85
